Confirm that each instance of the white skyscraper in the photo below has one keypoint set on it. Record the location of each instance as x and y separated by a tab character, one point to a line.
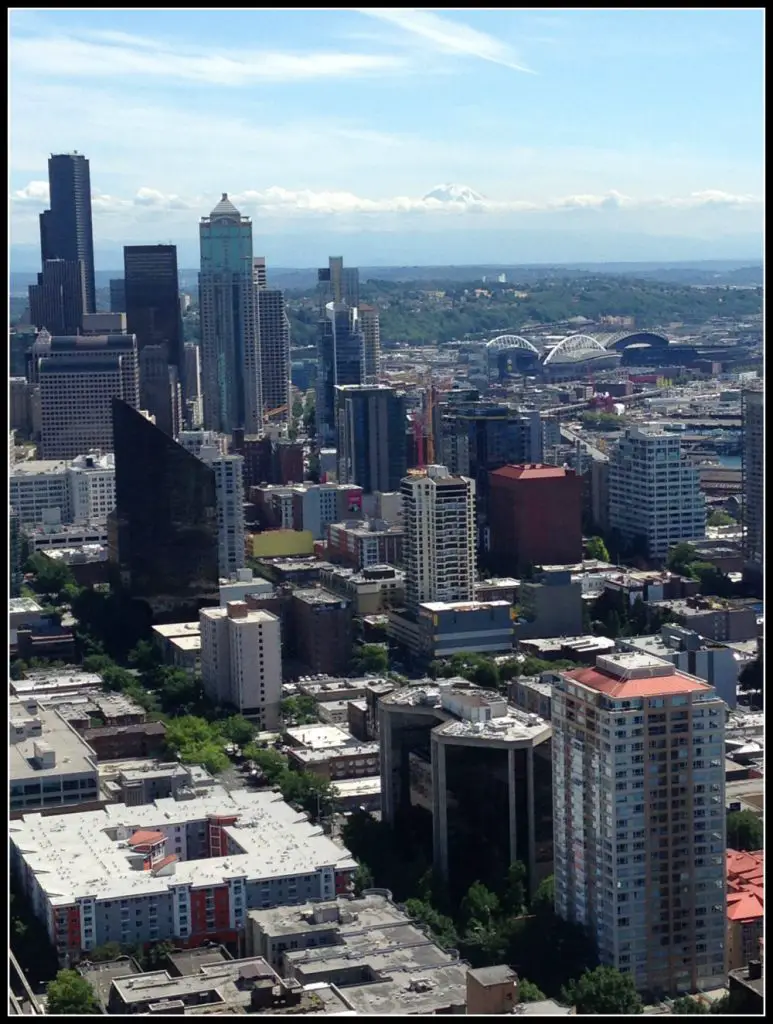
439	544
654	491
639	843
371	344
229	489
241	660
230	348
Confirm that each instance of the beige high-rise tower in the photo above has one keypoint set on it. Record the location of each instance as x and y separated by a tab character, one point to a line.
371	344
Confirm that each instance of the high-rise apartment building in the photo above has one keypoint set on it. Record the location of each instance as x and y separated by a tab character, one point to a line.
65	228
336	283
639	819
117	295
371	423
274	334
654	491
160	391
439	542
230	347
79	377
163	535
259	273
192	384
339	362
229	491
151	291
371	344
14	553
753	474
57	301
535	517
241	660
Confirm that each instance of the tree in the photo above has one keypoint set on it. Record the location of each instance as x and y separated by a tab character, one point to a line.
543	901
486	674
108	951
596	548
722	1005
688	1005
441	927
363	879
17	670
51	575
144	656
269	762
69	993
515	894
479	906
301	710
720	518
237	729
371	658
604	990
680	557
744	831
528	992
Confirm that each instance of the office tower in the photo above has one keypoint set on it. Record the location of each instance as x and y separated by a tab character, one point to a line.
371	437
163	532
117	295
20	412
639	819
151	290
274	335
439	544
57	300
79	378
229	492
371	344
230	348
336	283
192	384
339	362
259	272
65	229
194	441
104	323
752	466
476	437
654	491
241	660
535	517
160	391
481	767
91	487
14	553
551	605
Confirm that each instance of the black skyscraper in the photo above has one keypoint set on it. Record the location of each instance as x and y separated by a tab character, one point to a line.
152	296
65	229
57	300
163	534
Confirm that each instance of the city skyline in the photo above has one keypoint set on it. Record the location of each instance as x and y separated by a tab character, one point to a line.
575	148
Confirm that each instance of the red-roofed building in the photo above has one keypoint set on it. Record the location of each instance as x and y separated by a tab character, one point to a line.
535	516
745	906
639	819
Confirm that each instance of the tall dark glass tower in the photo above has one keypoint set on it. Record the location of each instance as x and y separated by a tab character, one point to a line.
57	300
164	540
65	229
152	303
371	423
339	361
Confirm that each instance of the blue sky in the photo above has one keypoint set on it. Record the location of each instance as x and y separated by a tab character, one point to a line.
597	124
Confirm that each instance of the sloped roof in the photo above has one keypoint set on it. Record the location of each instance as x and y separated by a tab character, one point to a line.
225	208
145	837
530	471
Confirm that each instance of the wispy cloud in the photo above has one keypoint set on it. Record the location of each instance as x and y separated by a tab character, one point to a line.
91	54
448	36
444	200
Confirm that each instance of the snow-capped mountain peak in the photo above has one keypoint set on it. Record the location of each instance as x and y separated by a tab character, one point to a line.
454	194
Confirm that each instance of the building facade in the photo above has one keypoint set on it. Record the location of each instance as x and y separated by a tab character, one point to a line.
371	424
65	228
439	543
151	290
639	819
654	491
57	301
371	344
229	489
339	362
753	474
274	333
117	295
535	517
241	661
160	391
79	378
164	529
230	347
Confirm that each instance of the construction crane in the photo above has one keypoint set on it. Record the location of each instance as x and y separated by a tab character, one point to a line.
280	409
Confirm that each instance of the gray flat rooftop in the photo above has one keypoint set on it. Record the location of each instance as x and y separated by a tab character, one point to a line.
72	754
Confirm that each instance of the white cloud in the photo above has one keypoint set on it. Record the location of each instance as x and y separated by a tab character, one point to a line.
448	36
445	200
114	55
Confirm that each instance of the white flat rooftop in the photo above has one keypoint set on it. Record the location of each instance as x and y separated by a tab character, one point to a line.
177	629
73	855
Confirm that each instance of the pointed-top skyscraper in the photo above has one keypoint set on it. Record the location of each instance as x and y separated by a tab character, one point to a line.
230	349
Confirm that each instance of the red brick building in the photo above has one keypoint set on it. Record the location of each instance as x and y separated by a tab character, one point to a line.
535	516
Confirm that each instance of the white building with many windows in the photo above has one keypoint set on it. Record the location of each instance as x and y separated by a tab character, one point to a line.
229	488
241	660
639	819
439	542
654	491
81	490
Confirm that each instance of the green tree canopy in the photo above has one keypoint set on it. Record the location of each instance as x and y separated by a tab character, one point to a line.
744	831
681	557
688	1005
363	879
720	518
479	906
237	729
515	895
528	992
604	990
596	548
50	575
543	901
302	710
371	658
71	994
144	656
